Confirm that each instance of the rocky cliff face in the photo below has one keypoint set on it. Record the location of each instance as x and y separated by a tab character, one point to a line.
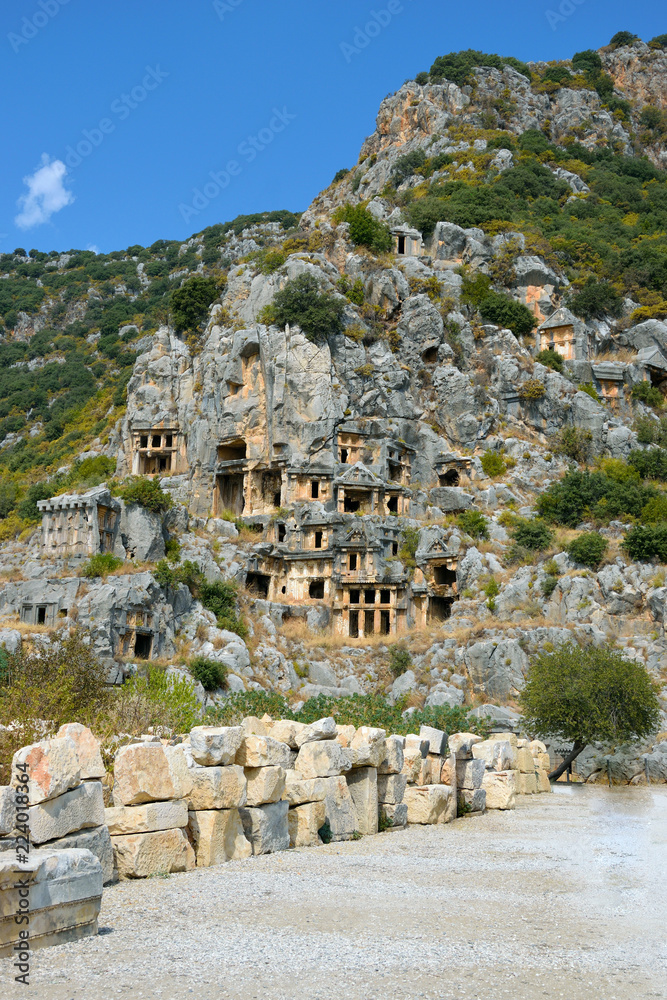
326	475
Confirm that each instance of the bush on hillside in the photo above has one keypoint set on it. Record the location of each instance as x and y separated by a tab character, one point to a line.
588	549
146	493
300	301
650	464
580	496
190	302
101	564
596	300
210	673
576	443
550	359
399	660
647	541
622	38
365	229
474	524
505	311
644	392
493	464
532	534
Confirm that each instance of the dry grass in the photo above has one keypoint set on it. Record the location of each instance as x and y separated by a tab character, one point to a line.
623	354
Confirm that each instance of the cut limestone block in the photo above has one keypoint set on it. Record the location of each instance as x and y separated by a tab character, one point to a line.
471	800
147	818
543	783
424	777
77	809
412	764
340	812
368	745
139	855
461	744
265	784
321	760
266	826
506	737
451	809
64	898
7	810
394	814
392	758
537	747
363	785
427	804
345	735
524	761
215	745
322	729
526	784
299	790
469	773
217	787
435	761
96	840
497	755
391	788
304	822
217	836
286	731
437	739
420	743
263	751
52	768
500	788
87	749
543	761
150	772
448	771
252	726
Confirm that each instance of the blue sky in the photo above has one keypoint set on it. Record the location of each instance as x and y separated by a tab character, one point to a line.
115	114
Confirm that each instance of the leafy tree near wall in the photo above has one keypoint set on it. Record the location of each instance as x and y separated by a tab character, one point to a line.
190	302
584	696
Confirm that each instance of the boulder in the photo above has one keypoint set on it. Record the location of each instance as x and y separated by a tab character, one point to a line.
87	749
394	814
266	827
150	772
391	788
392	758
420	743
265	784
471	800
213	745
368	745
543	783
286	731
322	729
469	773
321	760
412	765
497	755
96	839
434	762
340	812
300	790
363	785
147	818
263	751
139	855
77	809
51	766
500	788
448	771
524	761
427	804
462	744
526	784
217	787
252	726
217	836
437	739
303	822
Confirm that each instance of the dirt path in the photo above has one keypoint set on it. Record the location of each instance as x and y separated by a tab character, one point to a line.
565	897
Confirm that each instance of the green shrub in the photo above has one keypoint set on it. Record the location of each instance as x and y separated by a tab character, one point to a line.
532	534
190	302
550	359
596	300
408	550
644	392
146	493
221	598
365	229
507	312
493	464
407	165
586	61
531	390
647	541
152	698
576	443
172	548
622	38
579	496
590	390
101	564
399	660
210	673
340	175
655	510
474	524
659	42
459	66
27	509
300	301
588	549
650	464
548	585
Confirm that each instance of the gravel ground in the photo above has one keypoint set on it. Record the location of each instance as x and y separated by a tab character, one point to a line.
564	897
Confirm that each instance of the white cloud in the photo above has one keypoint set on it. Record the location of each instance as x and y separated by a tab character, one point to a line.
46	194
93	247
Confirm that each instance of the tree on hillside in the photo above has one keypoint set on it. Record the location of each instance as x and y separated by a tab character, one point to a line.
583	696
190	302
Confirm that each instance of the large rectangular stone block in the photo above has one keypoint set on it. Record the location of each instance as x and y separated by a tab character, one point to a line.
147	818
461	744
263	751
471	800
96	840
498	755
524	761
218	787
215	745
304	822
287	731
392	758
391	787
437	739
393	814
526	784
265	784
500	788
77	809
51	766
427	804
543	783
299	790
368	745
150	772
266	826
412	764
139	855
87	749
435	761
323	759
469	773
448	771
363	785
339	809
420	743
321	729
217	835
